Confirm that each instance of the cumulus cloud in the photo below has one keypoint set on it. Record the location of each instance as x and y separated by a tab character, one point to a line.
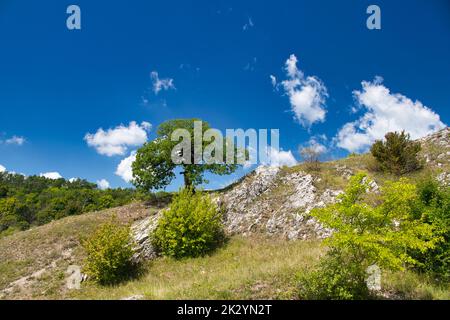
307	95
15	140
117	140
385	112
124	169
2	168
51	175
103	184
317	144
161	84
279	158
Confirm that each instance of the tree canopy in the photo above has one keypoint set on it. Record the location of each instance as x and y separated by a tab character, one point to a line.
154	167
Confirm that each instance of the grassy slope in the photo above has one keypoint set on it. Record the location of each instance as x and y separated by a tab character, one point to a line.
51	248
245	268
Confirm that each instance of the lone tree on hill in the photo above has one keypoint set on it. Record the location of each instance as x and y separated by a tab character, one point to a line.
154	167
397	153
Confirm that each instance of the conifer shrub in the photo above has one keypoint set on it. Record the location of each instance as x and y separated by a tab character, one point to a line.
397	154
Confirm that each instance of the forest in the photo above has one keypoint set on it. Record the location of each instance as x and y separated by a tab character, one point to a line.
27	201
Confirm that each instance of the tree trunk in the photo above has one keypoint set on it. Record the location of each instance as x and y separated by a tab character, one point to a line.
187	181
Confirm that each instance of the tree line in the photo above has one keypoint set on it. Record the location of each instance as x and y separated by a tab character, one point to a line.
27	201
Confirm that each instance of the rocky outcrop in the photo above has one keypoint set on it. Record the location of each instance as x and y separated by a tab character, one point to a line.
141	231
275	203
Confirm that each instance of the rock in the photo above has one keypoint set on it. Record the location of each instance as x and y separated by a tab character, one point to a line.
344	171
373	186
275	204
444	179
135	297
141	230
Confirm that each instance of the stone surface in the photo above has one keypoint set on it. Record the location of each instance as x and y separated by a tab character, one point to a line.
275	204
141	233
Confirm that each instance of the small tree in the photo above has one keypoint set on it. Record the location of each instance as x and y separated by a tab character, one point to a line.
397	153
311	157
154	168
365	234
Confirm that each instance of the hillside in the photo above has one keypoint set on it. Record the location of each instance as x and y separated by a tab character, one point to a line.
261	212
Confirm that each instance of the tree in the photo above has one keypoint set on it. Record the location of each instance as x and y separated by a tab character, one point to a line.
311	156
154	167
397	154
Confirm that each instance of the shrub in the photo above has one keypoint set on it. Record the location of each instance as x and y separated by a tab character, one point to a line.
191	227
434	204
364	234
109	253
397	154
336	278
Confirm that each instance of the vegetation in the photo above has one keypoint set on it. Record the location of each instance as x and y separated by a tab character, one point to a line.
154	168
29	201
109	253
434	206
367	232
311	157
191	227
404	229
245	268
397	154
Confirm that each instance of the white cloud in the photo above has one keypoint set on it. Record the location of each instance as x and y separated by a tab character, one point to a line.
124	169
161	84
51	175
385	112
316	145
273	80
249	24
103	184
16	140
307	95
2	168
116	141
71	180
279	158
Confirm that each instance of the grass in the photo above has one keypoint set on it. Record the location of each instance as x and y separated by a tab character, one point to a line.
246	268
412	286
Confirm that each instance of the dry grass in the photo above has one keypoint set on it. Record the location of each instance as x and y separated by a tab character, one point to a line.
52	248
412	286
246	268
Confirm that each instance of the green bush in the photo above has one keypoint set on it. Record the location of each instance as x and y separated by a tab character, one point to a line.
397	154
109	253
336	278
191	227
434	206
367	231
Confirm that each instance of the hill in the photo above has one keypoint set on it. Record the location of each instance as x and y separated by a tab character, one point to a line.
261	212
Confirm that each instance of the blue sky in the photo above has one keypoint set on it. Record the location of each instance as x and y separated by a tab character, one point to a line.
57	85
